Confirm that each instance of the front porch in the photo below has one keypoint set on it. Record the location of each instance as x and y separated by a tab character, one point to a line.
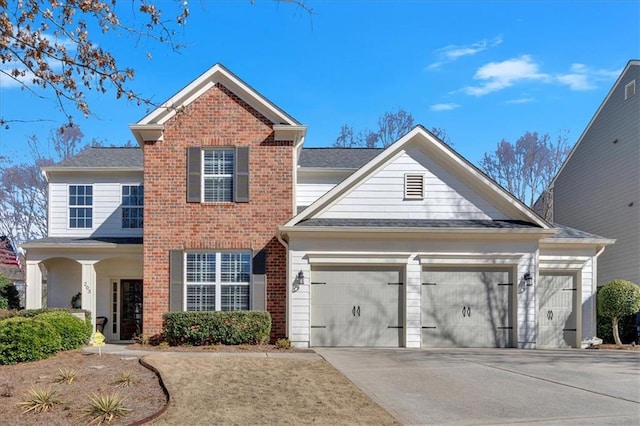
105	273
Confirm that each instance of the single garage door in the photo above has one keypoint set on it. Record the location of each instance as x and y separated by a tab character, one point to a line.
467	307
557	293
356	306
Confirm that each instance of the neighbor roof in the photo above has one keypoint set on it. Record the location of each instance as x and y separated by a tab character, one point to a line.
82	242
341	158
103	157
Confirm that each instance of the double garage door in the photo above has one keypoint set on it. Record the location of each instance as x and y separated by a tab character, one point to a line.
363	306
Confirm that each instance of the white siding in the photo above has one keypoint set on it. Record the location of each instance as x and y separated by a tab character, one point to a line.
312	185
382	194
107	198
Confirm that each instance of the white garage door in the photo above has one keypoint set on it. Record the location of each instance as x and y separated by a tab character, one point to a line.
557	294
356	306
467	307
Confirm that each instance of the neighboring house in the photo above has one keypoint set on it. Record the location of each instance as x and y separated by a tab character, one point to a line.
408	246
10	265
598	187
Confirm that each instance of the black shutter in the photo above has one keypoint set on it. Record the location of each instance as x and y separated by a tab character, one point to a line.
194	169
241	178
259	281
176	274
260	262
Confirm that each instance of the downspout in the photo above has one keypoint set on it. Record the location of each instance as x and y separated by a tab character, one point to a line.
287	275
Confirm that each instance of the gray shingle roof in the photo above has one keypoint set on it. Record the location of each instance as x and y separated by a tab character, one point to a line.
343	158
98	157
419	223
567	232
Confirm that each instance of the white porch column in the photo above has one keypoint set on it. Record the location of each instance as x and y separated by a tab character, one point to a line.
89	288
33	292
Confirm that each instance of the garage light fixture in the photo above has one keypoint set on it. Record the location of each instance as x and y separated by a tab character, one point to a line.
300	278
528	279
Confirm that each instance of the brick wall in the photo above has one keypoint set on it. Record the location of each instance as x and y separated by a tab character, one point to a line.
216	118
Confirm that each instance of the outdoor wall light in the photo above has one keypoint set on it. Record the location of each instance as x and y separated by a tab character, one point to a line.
300	278
528	279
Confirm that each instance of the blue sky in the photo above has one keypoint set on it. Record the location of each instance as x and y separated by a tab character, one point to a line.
481	70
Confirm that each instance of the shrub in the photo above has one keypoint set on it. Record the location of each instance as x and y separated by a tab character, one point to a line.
73	331
207	328
104	408
27	339
7	313
41	400
283	344
626	329
617	299
9	296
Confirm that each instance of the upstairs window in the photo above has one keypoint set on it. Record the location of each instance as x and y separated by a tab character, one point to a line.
413	186
629	90
132	206
218	174
80	206
218	167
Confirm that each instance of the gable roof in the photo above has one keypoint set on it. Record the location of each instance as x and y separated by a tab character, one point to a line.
150	127
631	63
421	135
119	158
337	158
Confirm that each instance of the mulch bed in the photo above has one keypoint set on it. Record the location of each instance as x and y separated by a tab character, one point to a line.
216	348
95	374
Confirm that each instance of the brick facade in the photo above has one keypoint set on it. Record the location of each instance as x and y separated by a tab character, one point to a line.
216	118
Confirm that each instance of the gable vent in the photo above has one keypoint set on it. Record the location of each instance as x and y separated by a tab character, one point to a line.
629	90
413	186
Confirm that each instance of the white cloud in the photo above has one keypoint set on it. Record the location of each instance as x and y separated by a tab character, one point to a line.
444	107
452	52
581	77
500	75
520	101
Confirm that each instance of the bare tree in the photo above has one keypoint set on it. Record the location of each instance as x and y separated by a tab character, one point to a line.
441	133
527	167
51	46
393	125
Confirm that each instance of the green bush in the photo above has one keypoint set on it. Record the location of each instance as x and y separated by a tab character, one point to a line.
27	339
618	299
626	328
73	331
210	328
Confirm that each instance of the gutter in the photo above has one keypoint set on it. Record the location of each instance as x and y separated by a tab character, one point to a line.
414	230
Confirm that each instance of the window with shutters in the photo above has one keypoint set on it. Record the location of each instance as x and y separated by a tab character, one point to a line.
80	206
217	174
414	186
217	281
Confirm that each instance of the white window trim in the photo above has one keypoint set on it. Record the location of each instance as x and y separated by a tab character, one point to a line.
69	207
122	206
203	175
218	277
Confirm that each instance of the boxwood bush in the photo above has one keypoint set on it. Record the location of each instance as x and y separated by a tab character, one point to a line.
27	339
73	331
207	328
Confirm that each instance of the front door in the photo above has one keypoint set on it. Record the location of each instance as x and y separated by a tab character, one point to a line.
130	308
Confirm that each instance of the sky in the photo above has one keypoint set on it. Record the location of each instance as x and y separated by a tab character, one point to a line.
481	70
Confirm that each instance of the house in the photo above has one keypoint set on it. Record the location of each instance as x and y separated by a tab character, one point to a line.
598	187
223	209
10	265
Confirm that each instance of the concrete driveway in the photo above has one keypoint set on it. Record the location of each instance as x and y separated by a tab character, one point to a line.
496	386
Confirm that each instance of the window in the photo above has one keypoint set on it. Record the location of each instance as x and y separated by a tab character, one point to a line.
629	90
217	281
218	175
413	186
80	206
132	206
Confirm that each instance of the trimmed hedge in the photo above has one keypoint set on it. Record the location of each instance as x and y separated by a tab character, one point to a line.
208	328
27	339
73	331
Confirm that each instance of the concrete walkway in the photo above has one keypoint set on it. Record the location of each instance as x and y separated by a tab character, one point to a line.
497	386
